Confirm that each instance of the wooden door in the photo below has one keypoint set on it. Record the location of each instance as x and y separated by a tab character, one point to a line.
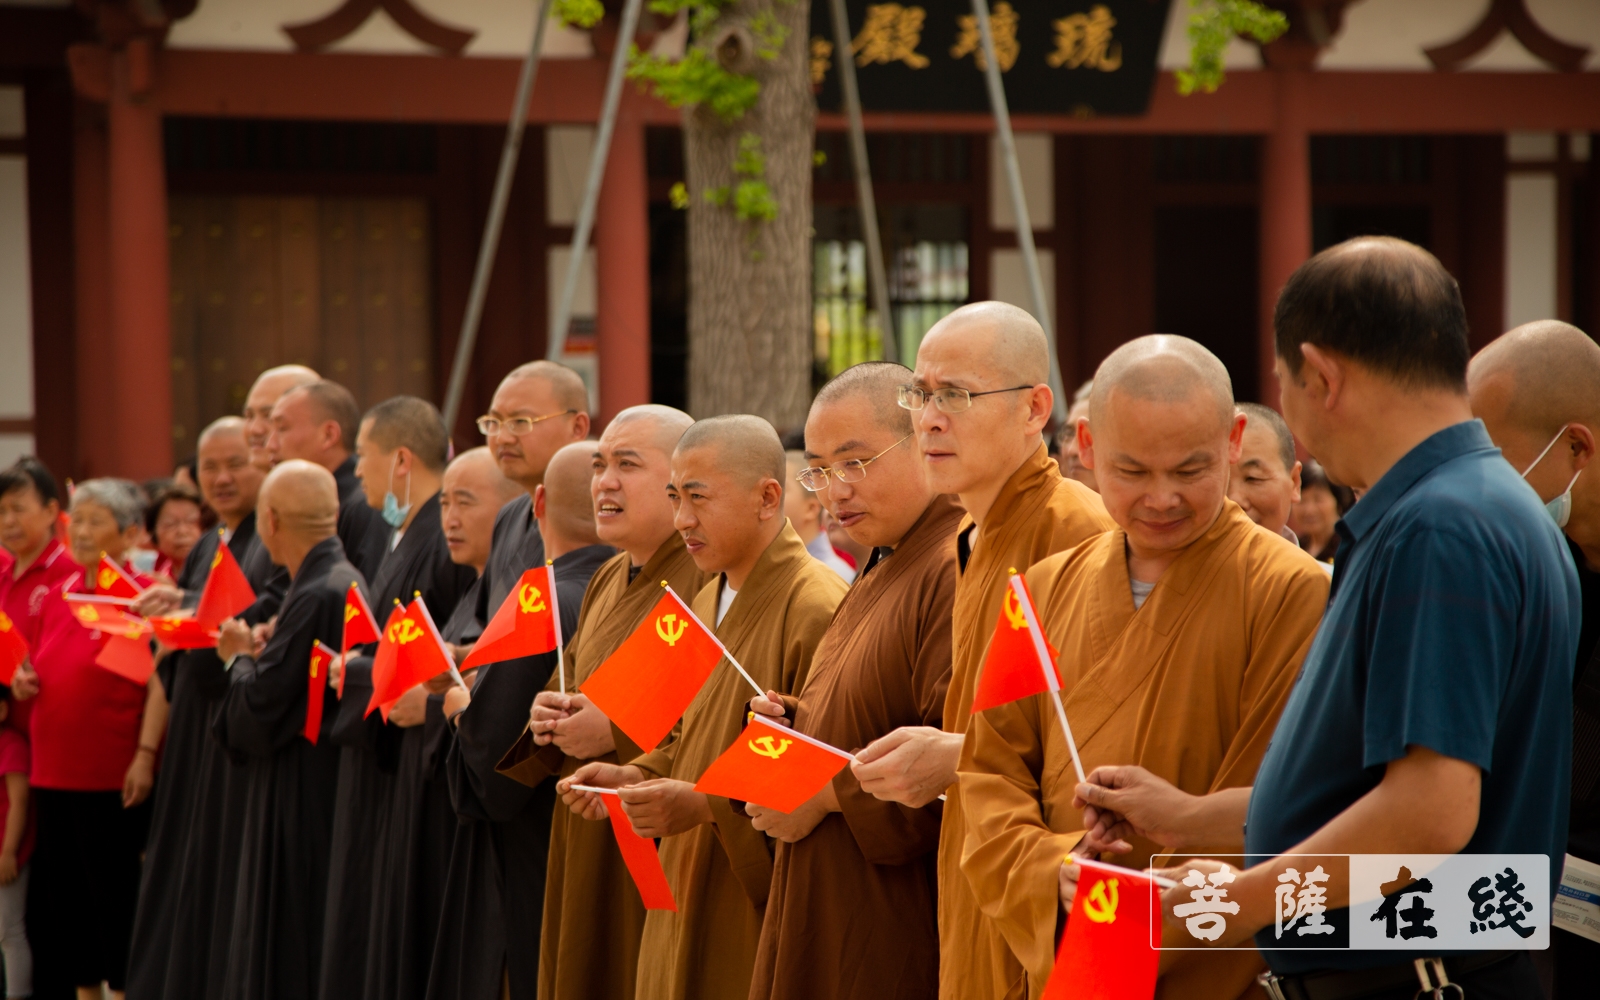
340	284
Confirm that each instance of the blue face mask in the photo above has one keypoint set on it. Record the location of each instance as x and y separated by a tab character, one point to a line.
393	513
1559	509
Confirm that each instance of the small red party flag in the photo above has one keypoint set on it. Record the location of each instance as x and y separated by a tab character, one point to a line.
383	659
1106	952
420	653
773	766
13	648
184	632
360	627
226	592
638	853
128	656
528	622
101	616
646	684
1019	662
316	688
113	580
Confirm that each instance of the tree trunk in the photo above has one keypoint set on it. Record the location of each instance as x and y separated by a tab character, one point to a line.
750	282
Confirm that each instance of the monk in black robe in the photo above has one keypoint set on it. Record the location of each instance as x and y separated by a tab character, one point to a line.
288	783
494	892
402	446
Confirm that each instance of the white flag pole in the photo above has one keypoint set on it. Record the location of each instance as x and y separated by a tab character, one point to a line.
713	635
555	613
1042	650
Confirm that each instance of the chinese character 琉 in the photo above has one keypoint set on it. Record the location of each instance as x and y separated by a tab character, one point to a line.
1085	40
1002	25
891	34
1203	917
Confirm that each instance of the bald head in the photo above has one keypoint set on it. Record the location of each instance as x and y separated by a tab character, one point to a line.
565	384
658	426
303	500
1010	342
740	444
269	387
566	512
873	384
1537	378
1162	368
476	466
221	428
277	381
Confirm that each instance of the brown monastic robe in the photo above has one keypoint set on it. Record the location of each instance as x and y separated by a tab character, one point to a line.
1189	686
1037	513
851	916
589	940
720	872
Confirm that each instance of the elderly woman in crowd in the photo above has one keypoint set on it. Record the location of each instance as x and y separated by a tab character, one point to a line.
1322	502
174	521
95	736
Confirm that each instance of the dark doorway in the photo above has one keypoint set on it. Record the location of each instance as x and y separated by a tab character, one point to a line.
1206	261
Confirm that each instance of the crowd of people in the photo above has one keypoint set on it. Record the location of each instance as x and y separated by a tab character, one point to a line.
1253	661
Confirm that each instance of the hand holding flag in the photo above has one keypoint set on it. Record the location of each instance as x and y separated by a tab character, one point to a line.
226	593
1107	952
360	628
638	853
773	766
419	654
112	580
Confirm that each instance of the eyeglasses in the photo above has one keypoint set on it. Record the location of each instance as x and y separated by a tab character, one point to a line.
947	400
490	426
815	478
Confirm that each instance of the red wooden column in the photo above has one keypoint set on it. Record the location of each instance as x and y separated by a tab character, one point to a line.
141	423
622	249
97	417
1285	210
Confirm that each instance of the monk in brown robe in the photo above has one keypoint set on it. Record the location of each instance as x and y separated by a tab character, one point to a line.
1180	634
852	910
589	941
769	605
980	404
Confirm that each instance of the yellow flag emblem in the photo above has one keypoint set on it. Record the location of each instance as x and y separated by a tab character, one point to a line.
216	560
1013	609
87	613
1101	906
350	611
107	578
767	747
404	631
5	622
530	600
671	628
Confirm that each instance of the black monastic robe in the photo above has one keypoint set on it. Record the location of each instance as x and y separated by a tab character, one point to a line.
368	757
494	892
364	534
288	786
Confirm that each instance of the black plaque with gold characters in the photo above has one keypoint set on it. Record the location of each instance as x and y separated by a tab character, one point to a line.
1079	57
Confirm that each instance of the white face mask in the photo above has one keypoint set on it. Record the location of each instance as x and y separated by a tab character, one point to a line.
1559	509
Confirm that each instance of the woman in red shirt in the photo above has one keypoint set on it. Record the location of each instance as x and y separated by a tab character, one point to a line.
92	763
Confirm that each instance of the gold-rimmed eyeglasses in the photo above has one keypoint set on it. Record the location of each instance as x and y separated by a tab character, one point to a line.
490	426
951	400
815	478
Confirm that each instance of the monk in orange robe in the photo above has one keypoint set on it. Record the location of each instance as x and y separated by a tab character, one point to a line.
980	402
1180	635
769	604
591	907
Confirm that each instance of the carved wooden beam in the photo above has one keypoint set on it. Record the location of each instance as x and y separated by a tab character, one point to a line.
309	36
1513	16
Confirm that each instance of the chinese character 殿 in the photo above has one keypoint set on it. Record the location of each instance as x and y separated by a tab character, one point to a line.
1513	909
891	34
1415	916
1310	902
1203	917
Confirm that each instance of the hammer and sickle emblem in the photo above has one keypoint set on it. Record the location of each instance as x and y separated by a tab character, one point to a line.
5	622
408	631
1101	907
670	628
316	661
350	611
216	560
530	600
107	578
767	749
1012	606
87	613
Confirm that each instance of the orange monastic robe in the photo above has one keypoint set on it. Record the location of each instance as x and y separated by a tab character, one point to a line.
589	938
1189	686
721	872
1037	513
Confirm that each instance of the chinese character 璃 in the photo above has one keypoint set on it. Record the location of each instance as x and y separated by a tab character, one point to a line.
1002	25
1085	40
1310	902
821	60
1203	917
1513	909
1415	916
891	34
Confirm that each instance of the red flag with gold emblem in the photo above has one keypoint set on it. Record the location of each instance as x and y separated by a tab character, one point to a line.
360	628
420	654
773	766
102	616
525	625
184	632
13	648
1019	662
388	651
646	684
1106	953
316	688
226	592
113	581
638	853
128	656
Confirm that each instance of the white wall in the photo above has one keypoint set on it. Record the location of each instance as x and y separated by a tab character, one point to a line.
16	300
584	306
1008	280
567	149
1036	162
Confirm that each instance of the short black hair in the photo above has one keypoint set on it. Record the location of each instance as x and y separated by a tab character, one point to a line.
1385	303
414	423
332	401
30	472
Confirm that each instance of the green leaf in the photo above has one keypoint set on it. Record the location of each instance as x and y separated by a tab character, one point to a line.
1215	23
749	162
580	13
696	79
753	201
678	194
